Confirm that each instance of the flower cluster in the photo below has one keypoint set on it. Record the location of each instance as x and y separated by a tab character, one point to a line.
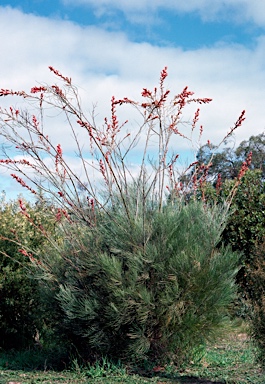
62	213
181	99
59	160
196	118
29	255
103	171
8	92
237	124
58	91
163	76
68	80
22	183
38	89
245	166
146	93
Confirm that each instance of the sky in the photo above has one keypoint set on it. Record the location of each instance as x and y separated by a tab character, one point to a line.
118	47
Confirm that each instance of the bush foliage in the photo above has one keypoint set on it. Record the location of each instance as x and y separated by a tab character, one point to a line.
21	309
157	290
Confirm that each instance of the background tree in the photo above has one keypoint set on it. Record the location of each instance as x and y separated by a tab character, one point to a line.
246	226
256	145
222	162
245	229
227	161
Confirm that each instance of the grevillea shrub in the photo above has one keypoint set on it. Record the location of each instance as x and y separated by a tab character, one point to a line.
157	291
137	273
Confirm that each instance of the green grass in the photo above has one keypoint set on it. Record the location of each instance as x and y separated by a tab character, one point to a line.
230	361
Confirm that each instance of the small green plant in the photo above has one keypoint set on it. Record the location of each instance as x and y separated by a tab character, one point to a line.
102	368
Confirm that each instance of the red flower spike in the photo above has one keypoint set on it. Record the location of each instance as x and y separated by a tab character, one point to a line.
38	89
146	93
57	73
245	166
196	118
22	182
163	76
219	183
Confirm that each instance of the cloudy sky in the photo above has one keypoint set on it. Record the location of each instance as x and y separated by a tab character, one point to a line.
117	47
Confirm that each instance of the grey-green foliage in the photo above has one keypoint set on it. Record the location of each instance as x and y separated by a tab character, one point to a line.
154	287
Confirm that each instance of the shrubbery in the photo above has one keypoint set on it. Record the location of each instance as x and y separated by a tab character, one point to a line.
245	233
21	309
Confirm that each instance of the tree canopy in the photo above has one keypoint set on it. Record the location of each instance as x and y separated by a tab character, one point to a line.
228	160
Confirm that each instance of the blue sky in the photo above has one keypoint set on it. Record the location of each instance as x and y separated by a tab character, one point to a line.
168	25
117	47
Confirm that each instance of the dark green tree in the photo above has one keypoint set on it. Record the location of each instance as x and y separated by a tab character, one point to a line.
133	278
245	232
246	226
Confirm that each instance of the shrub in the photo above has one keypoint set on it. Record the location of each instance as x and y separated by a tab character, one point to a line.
246	225
245	232
245	228
157	290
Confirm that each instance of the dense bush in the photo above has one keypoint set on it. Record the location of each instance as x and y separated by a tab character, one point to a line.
157	289
245	232
245	228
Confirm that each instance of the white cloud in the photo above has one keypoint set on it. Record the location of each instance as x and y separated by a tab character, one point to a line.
104	63
237	10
